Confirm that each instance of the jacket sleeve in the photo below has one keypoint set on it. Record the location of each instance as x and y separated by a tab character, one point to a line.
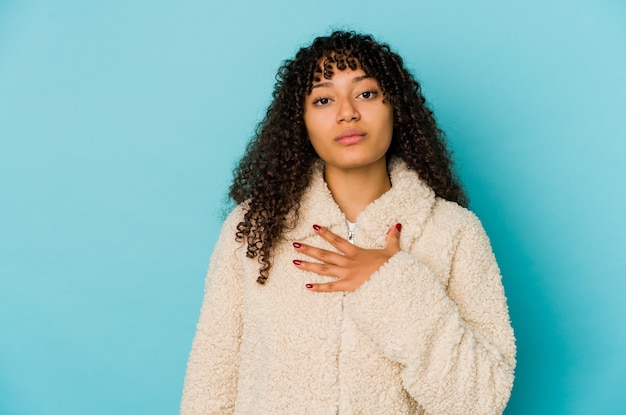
211	378
454	341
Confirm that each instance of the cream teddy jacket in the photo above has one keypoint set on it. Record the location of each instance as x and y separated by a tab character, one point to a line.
429	333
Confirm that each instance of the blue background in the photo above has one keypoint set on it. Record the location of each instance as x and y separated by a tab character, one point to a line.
120	122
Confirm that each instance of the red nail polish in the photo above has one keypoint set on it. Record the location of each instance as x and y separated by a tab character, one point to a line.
399	227
309	286
296	245
297	262
317	227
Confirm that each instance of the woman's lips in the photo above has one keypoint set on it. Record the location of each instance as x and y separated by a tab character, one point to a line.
351	136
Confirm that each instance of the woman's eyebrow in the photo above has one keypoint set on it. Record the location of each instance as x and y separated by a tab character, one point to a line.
322	85
329	83
360	78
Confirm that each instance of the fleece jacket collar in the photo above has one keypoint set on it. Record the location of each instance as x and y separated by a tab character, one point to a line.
409	202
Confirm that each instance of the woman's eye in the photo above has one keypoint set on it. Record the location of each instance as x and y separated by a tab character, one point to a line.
368	94
321	101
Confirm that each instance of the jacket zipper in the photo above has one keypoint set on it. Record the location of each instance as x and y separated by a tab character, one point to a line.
351	230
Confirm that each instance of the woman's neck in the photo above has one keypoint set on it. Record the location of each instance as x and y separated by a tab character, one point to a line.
354	189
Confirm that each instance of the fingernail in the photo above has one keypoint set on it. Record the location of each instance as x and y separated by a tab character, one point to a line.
317	227
297	262
309	286
296	245
399	227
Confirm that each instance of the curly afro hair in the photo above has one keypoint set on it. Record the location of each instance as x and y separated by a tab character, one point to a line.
276	167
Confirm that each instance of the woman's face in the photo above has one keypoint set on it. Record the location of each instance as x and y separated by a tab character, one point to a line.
347	121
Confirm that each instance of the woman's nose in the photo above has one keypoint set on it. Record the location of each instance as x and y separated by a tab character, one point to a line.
347	111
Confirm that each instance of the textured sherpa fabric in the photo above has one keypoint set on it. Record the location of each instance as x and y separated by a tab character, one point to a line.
429	333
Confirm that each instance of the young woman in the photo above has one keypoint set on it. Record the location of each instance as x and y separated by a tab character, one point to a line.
350	278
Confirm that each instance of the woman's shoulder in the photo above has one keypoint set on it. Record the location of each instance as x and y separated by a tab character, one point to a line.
232	220
452	215
236	215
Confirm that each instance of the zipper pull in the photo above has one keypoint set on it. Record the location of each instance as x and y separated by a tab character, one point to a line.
351	228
